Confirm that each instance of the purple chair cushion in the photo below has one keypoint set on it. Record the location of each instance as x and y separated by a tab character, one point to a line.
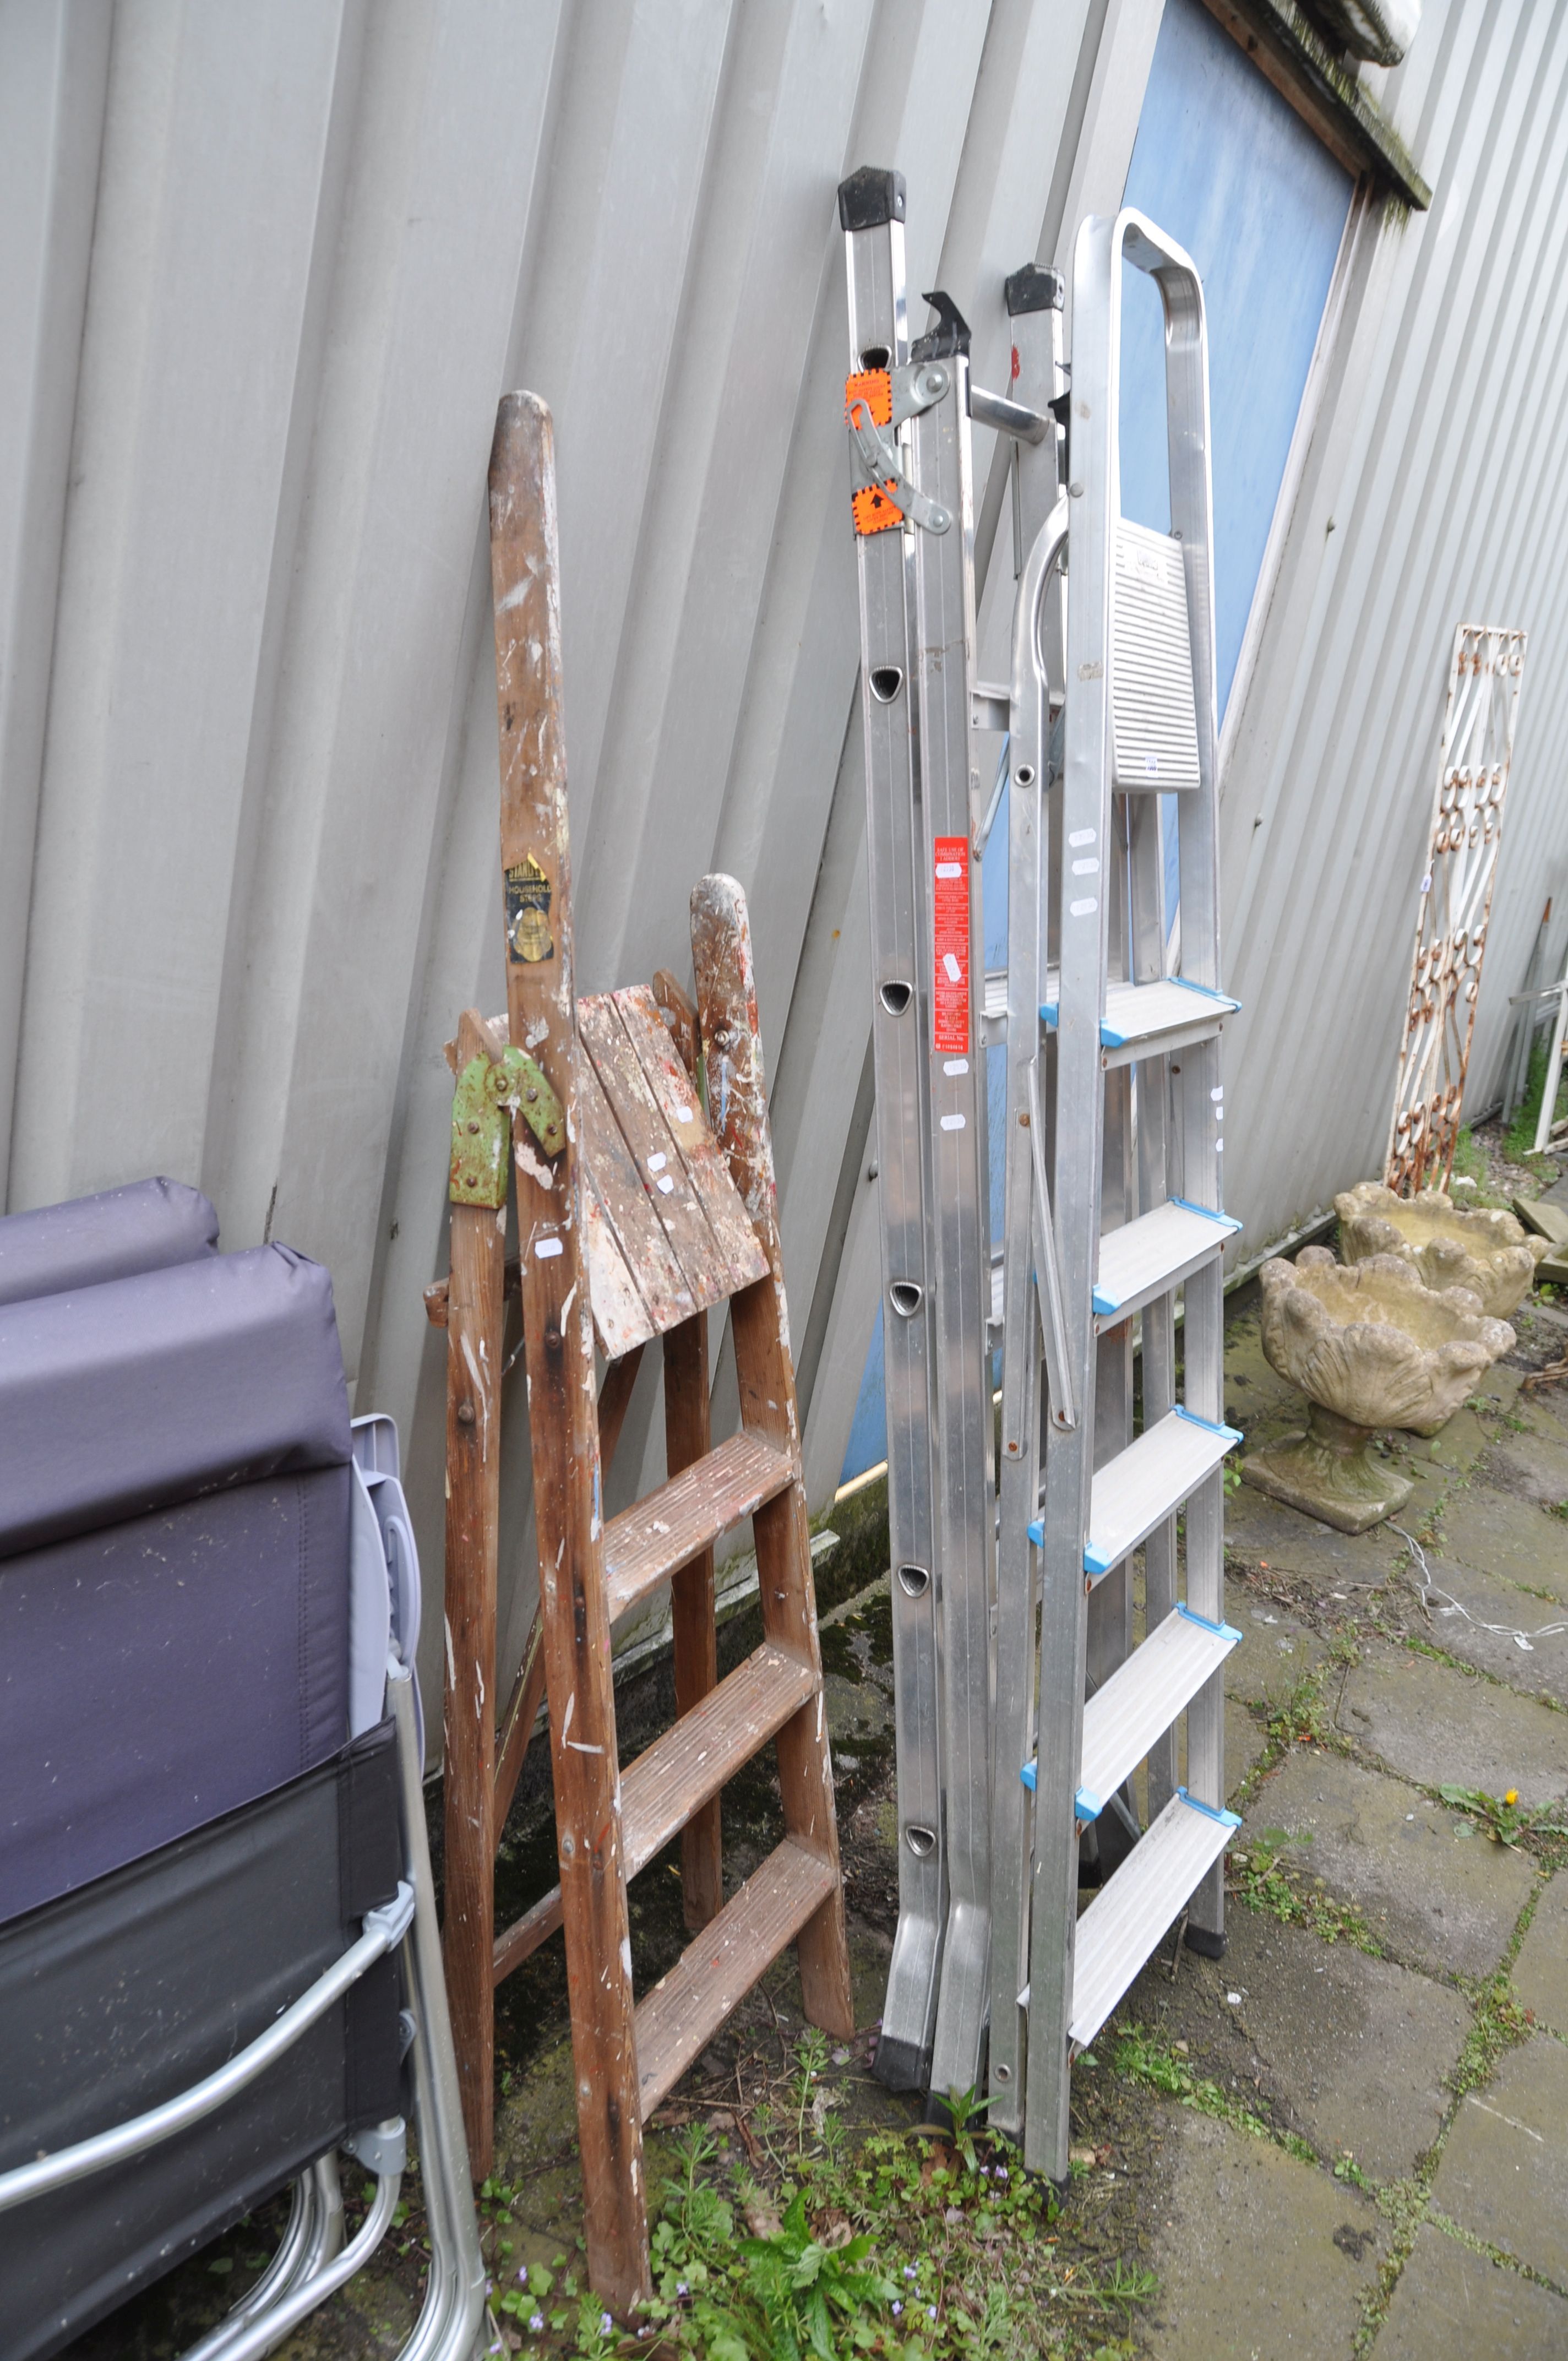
146	1392
146	1226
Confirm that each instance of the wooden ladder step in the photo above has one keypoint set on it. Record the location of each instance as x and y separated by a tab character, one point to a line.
673	1779
680	2016
659	1533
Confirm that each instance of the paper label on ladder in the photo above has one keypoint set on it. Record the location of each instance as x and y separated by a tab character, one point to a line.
949	910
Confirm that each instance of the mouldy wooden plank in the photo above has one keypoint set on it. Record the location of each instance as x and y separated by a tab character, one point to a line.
645	1249
710	1177
654	1152
665	1529
685	2010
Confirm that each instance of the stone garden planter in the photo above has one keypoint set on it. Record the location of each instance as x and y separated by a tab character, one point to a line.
1371	1347
1490	1253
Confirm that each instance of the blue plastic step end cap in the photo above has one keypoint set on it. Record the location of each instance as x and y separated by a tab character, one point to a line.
1226	1632
1210	1811
1233	1434
1030	1776
1087	1805
1036	1532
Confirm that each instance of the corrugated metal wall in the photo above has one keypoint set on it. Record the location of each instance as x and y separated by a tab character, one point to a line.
263	275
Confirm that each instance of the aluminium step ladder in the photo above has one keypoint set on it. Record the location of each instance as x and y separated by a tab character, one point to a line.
1122	1061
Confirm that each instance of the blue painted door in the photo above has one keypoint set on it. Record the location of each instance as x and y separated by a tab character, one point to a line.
1229	170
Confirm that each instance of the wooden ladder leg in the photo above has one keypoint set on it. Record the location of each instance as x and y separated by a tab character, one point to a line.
688	1436
476	1308
558	1343
738	1111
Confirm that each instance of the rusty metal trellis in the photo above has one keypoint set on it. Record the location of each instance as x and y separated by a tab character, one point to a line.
1455	899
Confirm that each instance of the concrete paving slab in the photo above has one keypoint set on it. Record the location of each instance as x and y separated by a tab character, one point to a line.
1540	1971
1454	2305
1356	2048
1277	1648
1245	1740
1500	1387
1439	1726
1542	1670
1455	1448
1504	1533
1542	1411
1535	1464
1259	2256
1435	1898
1504	2174
1264	1531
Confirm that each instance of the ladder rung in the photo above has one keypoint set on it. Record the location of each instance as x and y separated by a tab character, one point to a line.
661	1531
675	1777
671	1780
1154	1254
1123	1720
1148	1482
1127	1917
1146	1020
680	2016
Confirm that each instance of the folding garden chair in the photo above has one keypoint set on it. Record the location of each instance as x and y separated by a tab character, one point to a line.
219	1962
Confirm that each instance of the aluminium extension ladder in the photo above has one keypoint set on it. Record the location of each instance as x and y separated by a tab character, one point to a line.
1114	1115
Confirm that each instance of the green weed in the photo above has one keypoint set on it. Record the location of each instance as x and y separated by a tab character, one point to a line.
1266	1884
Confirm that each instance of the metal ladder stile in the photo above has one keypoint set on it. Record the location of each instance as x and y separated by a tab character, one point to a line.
1039	513
959	1229
871	210
1135	1161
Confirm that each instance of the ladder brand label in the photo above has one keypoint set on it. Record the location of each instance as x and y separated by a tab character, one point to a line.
949	909
528	912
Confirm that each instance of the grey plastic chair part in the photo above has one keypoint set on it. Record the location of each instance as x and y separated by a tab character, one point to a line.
402	1554
369	1611
149	1225
376	1451
128	1397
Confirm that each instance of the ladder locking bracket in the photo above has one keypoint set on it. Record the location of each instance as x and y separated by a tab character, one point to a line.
481	1107
897	394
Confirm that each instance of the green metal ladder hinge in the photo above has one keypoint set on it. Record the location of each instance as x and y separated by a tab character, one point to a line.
485	1096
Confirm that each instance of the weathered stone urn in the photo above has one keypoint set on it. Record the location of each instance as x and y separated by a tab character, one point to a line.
1371	1347
1487	1252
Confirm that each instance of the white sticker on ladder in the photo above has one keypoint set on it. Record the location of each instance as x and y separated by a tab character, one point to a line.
1083	910
954	972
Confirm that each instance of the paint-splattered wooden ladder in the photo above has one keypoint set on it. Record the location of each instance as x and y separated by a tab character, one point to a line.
635	1220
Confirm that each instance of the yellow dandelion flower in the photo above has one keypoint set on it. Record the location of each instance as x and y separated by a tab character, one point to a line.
1512	1796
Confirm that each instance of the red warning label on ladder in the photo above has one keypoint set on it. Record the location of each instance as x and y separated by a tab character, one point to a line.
950	906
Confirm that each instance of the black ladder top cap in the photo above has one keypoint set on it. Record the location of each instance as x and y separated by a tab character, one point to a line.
871	198
950	333
1033	290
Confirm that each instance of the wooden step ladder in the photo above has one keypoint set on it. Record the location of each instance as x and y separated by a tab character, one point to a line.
634	1221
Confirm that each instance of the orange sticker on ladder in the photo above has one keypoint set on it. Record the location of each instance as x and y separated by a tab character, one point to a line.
875	388
874	511
951	930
